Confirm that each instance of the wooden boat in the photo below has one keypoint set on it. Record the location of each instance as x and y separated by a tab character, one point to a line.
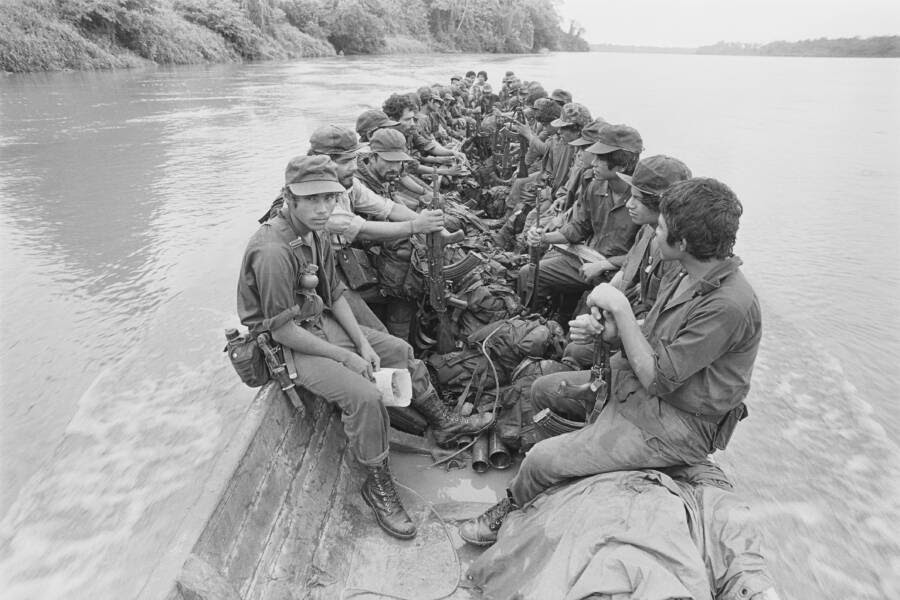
290	522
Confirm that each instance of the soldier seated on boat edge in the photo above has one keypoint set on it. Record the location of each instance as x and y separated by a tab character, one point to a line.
288	287
679	383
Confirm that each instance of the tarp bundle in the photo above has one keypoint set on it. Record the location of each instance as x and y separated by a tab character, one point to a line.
630	534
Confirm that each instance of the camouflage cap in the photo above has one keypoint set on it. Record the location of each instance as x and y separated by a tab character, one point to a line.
310	175
655	174
617	137
332	139
573	114
371	120
546	110
590	133
561	96
389	144
533	95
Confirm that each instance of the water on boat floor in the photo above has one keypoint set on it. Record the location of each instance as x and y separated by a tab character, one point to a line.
356	559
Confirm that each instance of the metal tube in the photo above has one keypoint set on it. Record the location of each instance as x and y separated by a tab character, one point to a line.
498	453
480	461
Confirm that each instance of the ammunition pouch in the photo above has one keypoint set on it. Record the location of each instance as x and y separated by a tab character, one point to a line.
248	360
357	269
728	424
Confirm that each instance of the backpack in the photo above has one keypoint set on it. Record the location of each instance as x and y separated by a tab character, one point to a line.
467	373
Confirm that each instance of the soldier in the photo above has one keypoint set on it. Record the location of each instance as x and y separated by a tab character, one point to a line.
600	218
558	156
286	282
401	108
561	97
677	387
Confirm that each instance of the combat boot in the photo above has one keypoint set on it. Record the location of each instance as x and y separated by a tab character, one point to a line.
482	530
379	492
448	425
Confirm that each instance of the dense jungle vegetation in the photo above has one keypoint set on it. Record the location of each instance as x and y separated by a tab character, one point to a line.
38	35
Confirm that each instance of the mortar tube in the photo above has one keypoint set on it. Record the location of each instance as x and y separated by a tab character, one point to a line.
498	453
463	441
480	461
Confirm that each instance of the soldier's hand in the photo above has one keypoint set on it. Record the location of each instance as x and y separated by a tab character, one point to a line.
584	328
428	221
559	204
524	130
369	355
590	271
454	170
535	236
358	364
608	298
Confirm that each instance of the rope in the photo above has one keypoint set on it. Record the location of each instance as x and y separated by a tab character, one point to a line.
352	592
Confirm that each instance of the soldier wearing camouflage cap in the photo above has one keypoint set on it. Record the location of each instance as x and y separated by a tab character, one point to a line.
643	270
599	219
561	97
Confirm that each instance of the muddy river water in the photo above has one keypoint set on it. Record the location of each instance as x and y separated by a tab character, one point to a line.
126	199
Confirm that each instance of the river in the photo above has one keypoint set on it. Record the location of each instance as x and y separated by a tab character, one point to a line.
127	198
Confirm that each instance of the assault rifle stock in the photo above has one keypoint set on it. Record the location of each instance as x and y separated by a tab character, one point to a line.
437	283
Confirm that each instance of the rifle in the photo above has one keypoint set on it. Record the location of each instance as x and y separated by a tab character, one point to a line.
601	373
534	257
279	371
548	424
437	283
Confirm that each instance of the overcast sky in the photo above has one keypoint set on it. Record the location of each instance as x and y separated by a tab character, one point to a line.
701	22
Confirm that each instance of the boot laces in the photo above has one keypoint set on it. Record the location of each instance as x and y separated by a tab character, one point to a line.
384	486
495	514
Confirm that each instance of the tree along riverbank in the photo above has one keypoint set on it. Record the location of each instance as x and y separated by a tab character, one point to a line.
47	35
871	47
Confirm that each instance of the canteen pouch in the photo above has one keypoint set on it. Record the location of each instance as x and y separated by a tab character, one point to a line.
248	360
357	268
727	426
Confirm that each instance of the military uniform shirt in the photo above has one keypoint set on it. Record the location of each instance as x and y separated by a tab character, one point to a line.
269	282
704	341
601	221
345	222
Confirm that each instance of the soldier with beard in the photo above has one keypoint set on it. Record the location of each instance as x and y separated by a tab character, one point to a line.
400	284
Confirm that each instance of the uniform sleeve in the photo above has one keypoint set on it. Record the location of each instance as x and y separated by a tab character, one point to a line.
344	223
537	148
367	202
575	173
275	274
709	332
579	227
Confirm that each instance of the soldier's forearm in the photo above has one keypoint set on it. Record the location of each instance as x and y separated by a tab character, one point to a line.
300	340
344	315
386	230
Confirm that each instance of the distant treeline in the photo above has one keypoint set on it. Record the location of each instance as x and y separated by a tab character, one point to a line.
38	35
883	46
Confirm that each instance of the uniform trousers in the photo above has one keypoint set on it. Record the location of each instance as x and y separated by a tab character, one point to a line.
638	433
559	272
364	417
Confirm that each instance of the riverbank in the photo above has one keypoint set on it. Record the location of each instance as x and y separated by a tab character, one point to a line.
55	35
871	47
